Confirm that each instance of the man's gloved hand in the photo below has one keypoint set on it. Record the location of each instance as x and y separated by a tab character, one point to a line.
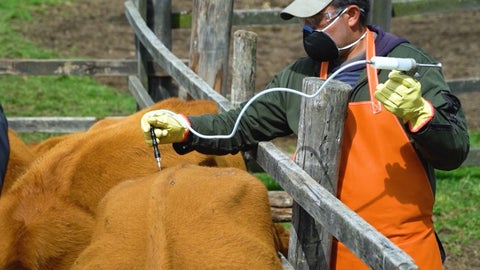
170	127
402	95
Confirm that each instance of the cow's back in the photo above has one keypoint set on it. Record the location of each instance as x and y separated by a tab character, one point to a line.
185	217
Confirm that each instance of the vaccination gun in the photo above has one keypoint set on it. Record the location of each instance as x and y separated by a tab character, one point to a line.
156	151
407	65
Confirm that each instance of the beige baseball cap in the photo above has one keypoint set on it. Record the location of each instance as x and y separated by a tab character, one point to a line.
304	8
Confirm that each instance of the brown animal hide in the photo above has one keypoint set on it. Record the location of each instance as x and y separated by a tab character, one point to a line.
18	161
282	238
40	148
185	217
53	204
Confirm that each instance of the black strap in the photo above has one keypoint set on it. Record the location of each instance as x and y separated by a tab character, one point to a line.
443	254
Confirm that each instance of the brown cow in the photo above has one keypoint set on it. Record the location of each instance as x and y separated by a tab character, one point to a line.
46	217
185	217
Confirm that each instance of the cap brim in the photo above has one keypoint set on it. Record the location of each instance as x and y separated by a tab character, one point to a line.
303	8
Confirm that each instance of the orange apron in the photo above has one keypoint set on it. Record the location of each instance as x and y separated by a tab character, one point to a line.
382	179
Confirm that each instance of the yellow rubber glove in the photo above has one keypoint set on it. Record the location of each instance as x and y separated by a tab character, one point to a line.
402	95
169	127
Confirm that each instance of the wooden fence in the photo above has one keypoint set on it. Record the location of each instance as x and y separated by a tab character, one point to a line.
150	75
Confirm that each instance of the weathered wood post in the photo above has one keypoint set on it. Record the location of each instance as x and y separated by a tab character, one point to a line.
159	19
157	15
243	78
243	66
210	41
381	13
140	52
318	153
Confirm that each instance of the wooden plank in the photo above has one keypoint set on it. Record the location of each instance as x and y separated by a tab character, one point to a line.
248	17
61	67
260	17
280	199
170	63
139	92
473	158
127	67
51	124
467	85
360	237
281	214
280	206
257	17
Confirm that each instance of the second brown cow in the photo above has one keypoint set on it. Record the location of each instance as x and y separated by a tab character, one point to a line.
185	217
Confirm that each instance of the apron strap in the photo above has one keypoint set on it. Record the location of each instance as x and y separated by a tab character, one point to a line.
324	70
371	72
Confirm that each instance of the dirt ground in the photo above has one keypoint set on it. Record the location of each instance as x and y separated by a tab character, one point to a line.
99	29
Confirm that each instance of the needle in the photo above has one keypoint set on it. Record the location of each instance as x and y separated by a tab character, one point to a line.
156	152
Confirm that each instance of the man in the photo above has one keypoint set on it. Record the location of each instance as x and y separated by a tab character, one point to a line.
395	133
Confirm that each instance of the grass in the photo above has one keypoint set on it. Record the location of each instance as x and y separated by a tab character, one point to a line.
456	212
49	95
457	216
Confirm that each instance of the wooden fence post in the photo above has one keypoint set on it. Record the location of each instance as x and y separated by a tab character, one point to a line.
157	15
210	41
381	13
159	19
243	79
318	153
243	66
141	53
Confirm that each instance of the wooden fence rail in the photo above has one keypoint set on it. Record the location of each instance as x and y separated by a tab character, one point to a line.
128	67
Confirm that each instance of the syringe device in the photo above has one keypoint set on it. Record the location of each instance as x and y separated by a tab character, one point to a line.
156	152
402	64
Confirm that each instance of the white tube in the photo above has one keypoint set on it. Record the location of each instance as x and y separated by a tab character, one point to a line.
276	89
402	64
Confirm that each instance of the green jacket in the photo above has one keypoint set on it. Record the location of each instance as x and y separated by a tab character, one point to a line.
442	144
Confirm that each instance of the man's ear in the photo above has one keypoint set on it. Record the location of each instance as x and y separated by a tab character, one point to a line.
353	14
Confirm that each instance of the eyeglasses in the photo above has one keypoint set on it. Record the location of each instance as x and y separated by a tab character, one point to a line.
326	16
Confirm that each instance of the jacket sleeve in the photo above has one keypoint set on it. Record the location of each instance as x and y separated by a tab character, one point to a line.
444	141
271	115
263	120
